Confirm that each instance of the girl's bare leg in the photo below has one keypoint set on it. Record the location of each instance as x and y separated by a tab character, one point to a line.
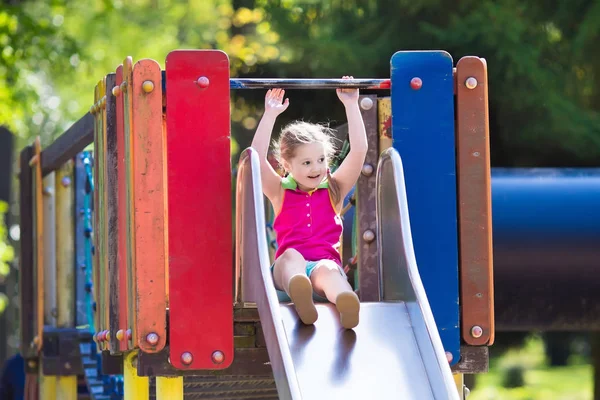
327	280
289	274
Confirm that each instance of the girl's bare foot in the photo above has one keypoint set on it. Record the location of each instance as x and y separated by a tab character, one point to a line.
301	293
348	305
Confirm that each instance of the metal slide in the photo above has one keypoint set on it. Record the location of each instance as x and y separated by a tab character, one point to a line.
394	353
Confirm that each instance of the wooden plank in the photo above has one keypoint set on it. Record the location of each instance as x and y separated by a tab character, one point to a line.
65	251
49	194
149	206
112	239
368	258
39	245
69	144
423	130
474	194
199	209
384	117
95	258
126	89
119	296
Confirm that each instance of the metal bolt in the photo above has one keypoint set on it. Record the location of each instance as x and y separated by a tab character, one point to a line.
152	338
471	83
123	86
368	236
476	331
128	334
186	358
120	334
476	154
203	82
148	86
449	356
366	103
66	181
116	91
416	83
218	357
67	365
367	170
48	191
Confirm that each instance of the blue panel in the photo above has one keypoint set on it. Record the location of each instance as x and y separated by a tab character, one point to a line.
423	134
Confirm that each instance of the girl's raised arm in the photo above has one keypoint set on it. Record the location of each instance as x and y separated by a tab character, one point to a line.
349	171
271	181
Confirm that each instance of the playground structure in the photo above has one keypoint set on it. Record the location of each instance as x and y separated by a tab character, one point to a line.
164	300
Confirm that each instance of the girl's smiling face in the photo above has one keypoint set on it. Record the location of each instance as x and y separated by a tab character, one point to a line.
308	166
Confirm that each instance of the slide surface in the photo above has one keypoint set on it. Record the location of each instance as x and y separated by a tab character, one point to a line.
394	353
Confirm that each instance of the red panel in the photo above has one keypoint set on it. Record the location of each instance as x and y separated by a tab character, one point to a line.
199	209
149	208
122	214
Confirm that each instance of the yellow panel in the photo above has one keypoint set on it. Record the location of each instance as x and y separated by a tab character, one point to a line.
384	117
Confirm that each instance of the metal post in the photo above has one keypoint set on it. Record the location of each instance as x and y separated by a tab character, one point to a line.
169	388
135	387
294	83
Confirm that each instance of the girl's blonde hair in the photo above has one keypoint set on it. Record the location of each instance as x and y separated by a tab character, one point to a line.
298	133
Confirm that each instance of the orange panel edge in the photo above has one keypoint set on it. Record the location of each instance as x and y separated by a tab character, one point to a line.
149	200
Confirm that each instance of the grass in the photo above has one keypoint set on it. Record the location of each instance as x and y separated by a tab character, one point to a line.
572	382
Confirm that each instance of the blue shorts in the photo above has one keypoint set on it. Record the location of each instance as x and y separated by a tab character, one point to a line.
310	267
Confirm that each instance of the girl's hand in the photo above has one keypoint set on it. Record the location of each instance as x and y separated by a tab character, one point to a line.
273	102
347	96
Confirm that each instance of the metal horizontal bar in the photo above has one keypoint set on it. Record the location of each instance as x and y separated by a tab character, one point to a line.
69	144
254	83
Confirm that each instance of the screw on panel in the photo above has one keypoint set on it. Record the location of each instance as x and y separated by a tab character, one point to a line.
66	181
128	334
120	334
471	83
476	331
116	91
218	357
203	82
366	103
449	356
367	170
186	358
416	83
368	236
148	86
152	339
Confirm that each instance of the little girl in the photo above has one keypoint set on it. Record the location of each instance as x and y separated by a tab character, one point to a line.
307	204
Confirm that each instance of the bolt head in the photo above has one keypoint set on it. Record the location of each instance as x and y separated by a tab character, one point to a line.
366	103
368	236
120	334
152	338
148	86
416	83
471	83
128	333
218	357
66	181
116	91
186	358
203	82
476	331
449	356
367	170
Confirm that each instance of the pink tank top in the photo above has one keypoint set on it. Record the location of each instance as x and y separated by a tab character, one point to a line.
308	223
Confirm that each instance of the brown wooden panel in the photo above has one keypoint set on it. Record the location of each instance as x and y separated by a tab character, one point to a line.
368	264
474	195
120	295
112	243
